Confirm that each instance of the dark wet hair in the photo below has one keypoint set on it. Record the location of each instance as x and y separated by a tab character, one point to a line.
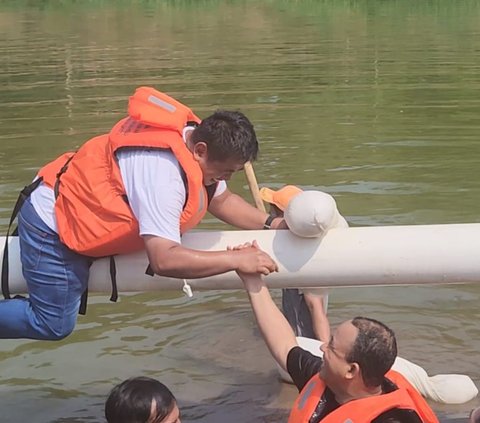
374	349
131	401
228	135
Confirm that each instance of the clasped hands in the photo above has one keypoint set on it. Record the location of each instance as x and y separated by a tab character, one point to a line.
254	261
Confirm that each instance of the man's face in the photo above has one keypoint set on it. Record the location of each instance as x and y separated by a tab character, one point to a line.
215	170
335	368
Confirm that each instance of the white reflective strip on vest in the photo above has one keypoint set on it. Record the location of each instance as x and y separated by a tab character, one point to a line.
163	104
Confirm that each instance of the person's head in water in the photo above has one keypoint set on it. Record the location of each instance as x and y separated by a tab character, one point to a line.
141	400
359	354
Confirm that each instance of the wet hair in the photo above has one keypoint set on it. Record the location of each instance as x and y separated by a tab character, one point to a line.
228	135
374	349
131	401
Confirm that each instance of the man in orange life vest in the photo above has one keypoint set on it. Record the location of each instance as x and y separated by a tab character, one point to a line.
353	382
149	180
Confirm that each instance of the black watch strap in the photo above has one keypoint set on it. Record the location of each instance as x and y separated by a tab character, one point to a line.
268	222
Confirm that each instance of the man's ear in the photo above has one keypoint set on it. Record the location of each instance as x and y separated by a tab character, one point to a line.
353	371
200	151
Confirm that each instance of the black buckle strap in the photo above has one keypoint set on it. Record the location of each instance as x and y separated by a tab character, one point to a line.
114	297
211	189
113	277
149	271
64	168
83	303
268	222
24	194
84	298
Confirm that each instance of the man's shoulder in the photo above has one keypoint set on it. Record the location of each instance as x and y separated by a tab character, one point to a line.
301	354
302	365
396	415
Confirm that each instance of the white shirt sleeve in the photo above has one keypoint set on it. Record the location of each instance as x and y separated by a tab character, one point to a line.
155	190
221	188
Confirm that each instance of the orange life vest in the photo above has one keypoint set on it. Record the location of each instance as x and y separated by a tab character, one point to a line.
362	410
91	208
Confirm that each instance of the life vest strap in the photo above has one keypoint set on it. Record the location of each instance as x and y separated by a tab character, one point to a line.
83	303
211	189
24	194
64	168
113	277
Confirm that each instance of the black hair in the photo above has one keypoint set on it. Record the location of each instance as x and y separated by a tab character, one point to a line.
131	401
374	349
228	135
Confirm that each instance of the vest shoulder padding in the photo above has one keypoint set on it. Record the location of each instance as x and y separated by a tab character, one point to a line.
362	410
158	109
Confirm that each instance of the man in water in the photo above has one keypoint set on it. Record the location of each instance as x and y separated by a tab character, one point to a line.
141	400
352	382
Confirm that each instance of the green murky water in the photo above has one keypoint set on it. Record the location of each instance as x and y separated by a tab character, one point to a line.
376	102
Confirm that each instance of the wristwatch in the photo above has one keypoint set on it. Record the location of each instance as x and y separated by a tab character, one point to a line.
268	222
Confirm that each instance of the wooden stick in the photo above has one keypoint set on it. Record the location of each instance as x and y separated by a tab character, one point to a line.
253	185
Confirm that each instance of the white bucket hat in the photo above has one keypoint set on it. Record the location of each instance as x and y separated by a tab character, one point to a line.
311	214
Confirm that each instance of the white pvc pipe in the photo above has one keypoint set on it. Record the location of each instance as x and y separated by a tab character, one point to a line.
388	255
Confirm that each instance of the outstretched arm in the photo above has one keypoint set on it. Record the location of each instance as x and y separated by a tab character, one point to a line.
234	210
168	258
275	329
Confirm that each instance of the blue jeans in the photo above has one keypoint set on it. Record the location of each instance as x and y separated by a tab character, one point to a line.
56	279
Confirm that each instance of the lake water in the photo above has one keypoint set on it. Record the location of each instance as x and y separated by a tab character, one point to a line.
375	102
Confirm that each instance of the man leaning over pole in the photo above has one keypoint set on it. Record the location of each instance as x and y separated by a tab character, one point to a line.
152	178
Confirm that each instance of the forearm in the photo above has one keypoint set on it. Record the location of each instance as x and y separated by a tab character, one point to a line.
168	258
275	329
318	314
186	263
234	210
321	325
